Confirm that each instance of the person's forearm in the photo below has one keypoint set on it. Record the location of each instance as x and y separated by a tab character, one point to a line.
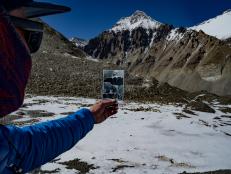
39	144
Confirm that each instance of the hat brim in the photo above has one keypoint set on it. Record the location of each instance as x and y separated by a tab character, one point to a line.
38	9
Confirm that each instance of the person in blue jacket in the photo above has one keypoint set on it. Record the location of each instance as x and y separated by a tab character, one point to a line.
27	148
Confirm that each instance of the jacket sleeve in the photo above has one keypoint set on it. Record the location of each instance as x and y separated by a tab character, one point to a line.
15	66
39	144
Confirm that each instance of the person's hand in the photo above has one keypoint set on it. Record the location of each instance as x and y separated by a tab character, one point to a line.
104	109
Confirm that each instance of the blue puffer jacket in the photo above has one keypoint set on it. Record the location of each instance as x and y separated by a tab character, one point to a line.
29	147
40	143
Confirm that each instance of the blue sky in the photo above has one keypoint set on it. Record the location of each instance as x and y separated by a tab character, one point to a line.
90	17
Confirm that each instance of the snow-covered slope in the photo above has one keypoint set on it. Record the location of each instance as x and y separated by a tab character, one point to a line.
141	138
219	26
137	19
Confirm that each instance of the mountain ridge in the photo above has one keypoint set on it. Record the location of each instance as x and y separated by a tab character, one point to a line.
182	57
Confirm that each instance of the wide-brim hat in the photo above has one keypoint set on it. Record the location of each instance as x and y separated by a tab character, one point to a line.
35	9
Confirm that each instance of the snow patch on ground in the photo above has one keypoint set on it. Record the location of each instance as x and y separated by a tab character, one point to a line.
212	78
145	138
92	59
69	55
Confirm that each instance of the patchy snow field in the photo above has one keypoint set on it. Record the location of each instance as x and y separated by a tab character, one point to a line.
142	138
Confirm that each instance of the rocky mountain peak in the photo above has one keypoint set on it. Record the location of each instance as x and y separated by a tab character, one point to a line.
139	15
80	43
137	19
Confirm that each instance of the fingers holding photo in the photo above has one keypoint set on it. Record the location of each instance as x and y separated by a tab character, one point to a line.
104	109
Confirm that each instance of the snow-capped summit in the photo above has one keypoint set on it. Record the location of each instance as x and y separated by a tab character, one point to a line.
79	42
220	26
137	19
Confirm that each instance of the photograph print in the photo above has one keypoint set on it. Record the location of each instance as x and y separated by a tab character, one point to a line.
113	84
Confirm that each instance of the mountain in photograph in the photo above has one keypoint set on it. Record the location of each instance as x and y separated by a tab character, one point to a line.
183	57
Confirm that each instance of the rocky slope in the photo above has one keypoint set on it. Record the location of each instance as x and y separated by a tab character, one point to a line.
60	68
228	41
184	58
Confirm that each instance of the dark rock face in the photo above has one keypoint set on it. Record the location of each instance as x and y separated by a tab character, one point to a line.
228	41
199	106
109	43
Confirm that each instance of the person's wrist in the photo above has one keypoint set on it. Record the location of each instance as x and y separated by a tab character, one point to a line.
91	114
87	112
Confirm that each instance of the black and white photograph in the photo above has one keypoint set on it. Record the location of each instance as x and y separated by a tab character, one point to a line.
113	84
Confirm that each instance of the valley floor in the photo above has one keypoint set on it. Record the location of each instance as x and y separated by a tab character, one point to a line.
141	138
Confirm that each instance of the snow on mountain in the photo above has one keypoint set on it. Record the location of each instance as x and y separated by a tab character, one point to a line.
175	35
219	26
79	42
137	19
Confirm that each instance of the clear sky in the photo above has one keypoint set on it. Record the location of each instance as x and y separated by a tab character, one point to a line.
90	17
